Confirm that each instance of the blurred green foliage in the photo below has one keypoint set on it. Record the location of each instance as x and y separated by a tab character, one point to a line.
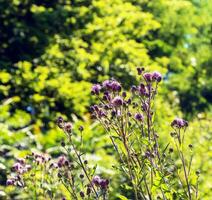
52	51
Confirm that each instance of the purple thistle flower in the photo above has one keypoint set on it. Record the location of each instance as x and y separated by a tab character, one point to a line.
142	90
139	70
156	76
115	86
60	122
117	101
96	89
133	88
96	180
139	117
112	85
96	108
17	167
82	194
68	127
145	106
107	96
104	183
10	182
21	161
148	77
101	113
179	123
106	84
62	161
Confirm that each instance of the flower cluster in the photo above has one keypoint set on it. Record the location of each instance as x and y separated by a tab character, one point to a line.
25	165
66	169
20	167
114	102
154	76
99	182
128	117
65	126
179	123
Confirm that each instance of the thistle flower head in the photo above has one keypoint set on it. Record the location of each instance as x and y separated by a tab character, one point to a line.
112	85
104	183
115	86
133	88
60	122
96	89
139	70
117	101
10	182
156	76
148	76
106	84
68	127
142	89
179	123
96	180
17	167
139	117
62	161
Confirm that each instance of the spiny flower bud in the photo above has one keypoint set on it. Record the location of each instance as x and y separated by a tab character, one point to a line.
85	162
88	191
139	117
63	144
133	88
60	122
171	150
68	127
198	172
82	194
124	94
139	70
81	176
62	161
81	128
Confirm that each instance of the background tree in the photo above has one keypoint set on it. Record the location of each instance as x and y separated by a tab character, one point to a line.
51	52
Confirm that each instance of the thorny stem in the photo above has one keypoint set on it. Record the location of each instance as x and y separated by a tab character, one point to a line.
183	163
186	177
129	167
129	159
71	192
83	168
149	125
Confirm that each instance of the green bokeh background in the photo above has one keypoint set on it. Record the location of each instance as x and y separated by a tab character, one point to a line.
51	51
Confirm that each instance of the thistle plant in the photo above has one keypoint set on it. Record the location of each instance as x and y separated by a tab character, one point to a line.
91	186
40	176
151	170
128	119
35	176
